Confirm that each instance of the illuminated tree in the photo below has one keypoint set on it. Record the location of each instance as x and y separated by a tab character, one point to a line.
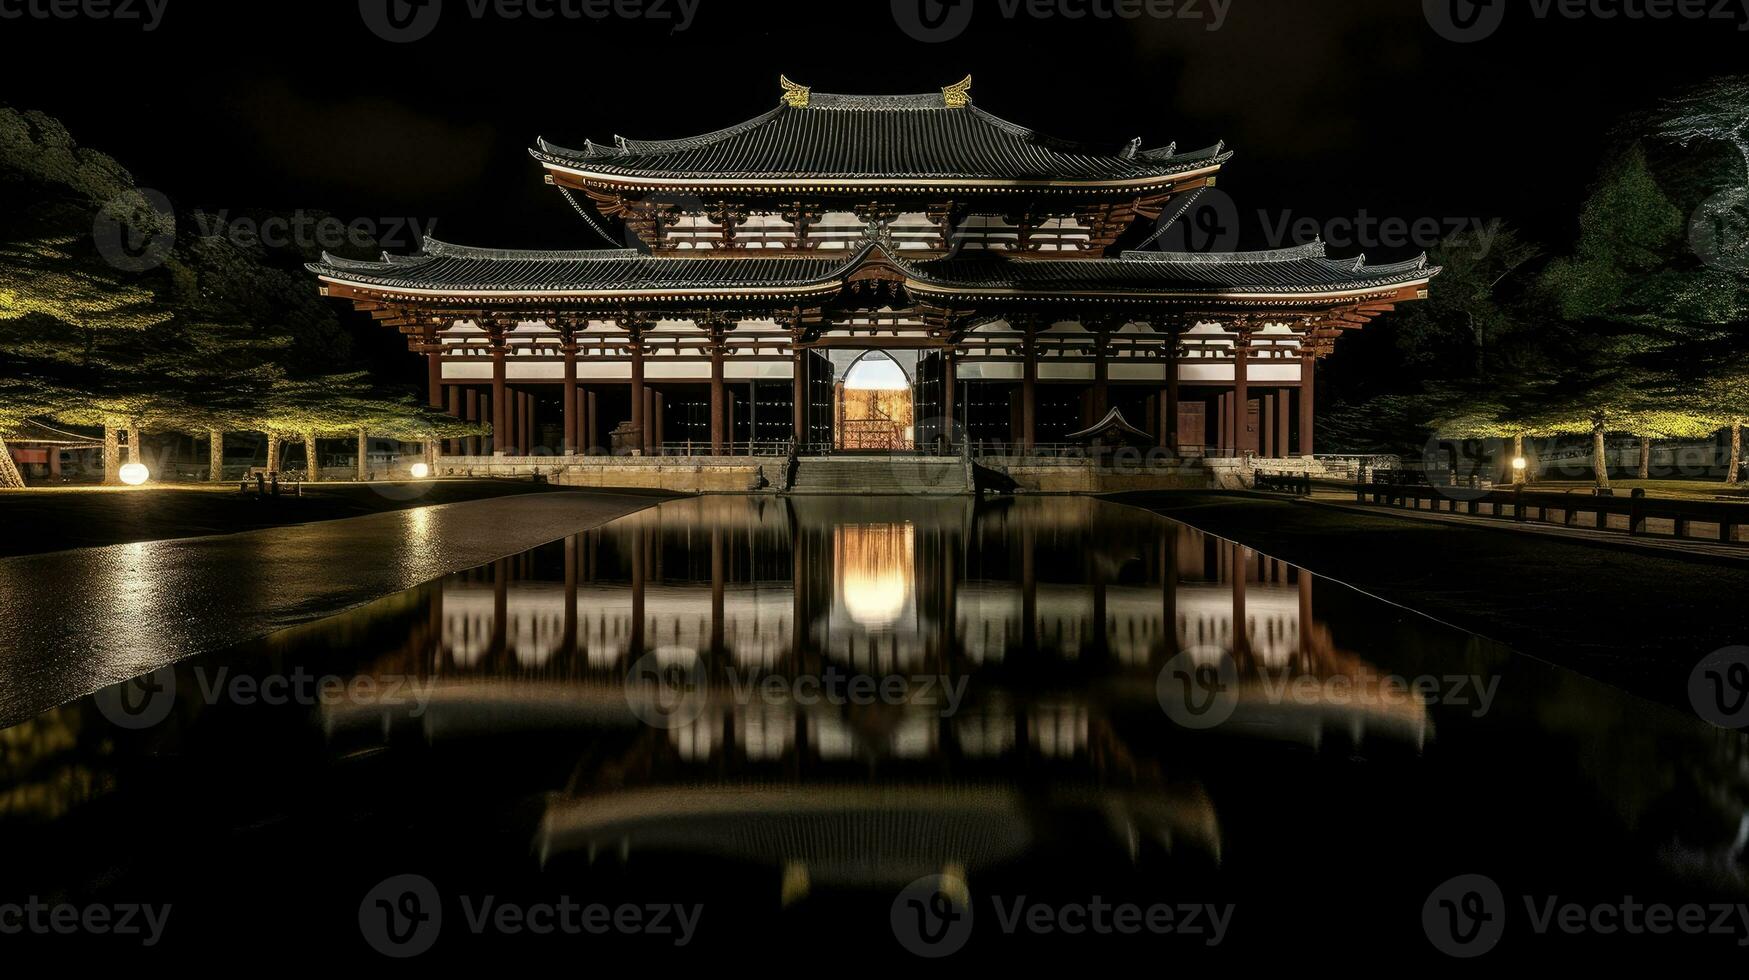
111	318
1717	112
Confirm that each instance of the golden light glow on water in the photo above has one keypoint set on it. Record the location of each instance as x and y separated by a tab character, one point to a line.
875	564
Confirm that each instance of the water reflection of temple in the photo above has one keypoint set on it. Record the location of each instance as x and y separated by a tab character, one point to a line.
762	584
1059	614
1060	757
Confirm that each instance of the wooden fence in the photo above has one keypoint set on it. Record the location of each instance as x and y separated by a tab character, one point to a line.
1637	515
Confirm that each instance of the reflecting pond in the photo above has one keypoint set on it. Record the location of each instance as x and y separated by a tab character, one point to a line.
837	725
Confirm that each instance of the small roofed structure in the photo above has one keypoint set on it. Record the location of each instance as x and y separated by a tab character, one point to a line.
1111	432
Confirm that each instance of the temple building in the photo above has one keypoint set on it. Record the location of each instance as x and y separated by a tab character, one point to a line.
853	272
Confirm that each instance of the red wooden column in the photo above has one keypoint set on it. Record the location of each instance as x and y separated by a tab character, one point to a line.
525	425
1169	587
500	399
1028	591
719	395
1266	424
433	348
1029	390
591	418
567	334
1241	413
640	571
949	379
434	371
453	398
568	642
1224	425
636	349
800	384
1169	437
471	413
1282	426
1308	422
719	575
1307	623
1241	572
1101	374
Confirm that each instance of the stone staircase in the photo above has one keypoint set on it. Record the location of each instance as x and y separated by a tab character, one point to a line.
876	475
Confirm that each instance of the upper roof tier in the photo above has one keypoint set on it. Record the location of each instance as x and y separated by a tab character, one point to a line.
886	140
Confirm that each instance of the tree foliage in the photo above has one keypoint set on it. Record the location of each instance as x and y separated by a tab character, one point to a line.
113	313
1639	326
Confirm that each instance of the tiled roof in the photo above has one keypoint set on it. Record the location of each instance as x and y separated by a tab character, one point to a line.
1304	267
871	137
459	268
450	268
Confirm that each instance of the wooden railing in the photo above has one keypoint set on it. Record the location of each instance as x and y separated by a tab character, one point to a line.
1635	515
769	447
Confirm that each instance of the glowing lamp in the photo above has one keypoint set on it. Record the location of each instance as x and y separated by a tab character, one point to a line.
1519	463
421	471
135	474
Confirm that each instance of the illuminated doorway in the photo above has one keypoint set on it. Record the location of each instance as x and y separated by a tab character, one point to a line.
872	408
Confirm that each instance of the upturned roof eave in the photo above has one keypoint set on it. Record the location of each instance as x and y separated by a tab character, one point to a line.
655	180
972	291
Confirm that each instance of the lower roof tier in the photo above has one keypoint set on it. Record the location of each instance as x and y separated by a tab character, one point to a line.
454	276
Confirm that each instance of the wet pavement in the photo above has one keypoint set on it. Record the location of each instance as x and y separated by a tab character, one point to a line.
75	621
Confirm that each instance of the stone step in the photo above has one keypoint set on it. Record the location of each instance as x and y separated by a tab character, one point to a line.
881	475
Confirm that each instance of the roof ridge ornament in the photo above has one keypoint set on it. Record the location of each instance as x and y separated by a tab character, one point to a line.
958	95
795	96
877	233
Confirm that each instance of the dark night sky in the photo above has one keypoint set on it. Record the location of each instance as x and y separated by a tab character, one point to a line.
1332	107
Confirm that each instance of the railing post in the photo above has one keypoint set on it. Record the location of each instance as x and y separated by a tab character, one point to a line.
1518	504
1637	513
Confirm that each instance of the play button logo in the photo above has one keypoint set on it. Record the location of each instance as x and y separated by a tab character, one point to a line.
401	21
